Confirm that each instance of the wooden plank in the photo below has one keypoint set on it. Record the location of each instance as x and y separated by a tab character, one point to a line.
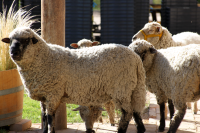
53	31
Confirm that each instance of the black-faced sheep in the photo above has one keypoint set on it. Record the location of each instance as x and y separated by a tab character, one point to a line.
172	73
87	113
91	76
161	38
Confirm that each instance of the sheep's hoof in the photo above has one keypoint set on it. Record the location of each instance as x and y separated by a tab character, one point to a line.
90	131
161	130
112	124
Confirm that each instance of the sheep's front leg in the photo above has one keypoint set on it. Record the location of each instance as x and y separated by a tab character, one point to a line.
171	108
124	121
44	117
51	123
176	120
162	117
139	123
51	110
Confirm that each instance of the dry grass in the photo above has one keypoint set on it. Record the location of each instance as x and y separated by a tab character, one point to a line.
8	22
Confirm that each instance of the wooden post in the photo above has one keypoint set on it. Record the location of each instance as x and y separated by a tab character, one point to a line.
53	31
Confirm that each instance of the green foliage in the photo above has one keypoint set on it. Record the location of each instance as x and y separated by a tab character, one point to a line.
98	5
32	111
73	116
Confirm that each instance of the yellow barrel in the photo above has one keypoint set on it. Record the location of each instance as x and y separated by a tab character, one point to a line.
11	97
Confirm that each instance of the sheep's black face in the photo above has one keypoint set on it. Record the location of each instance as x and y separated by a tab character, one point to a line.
17	47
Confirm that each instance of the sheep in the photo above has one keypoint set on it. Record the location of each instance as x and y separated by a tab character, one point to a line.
172	73
91	76
90	115
87	112
161	38
84	43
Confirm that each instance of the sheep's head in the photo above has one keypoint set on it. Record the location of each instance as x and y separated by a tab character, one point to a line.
89	114
145	50
19	40
84	43
151	32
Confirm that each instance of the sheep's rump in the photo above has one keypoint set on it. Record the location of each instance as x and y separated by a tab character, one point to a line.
109	71
178	67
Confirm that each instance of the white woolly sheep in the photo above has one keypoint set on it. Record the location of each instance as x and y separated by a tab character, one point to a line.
172	73
84	43
160	38
87	112
91	76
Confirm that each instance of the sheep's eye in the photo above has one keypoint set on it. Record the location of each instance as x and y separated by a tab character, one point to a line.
134	38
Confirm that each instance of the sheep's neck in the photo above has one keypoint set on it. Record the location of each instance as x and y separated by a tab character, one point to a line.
165	41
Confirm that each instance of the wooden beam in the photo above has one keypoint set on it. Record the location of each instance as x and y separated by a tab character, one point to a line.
53	31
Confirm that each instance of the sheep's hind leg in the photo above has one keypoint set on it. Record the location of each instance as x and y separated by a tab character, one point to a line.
124	121
139	123
44	118
162	117
176	120
110	108
171	108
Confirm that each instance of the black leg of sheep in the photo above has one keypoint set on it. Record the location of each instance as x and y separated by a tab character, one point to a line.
162	117
124	121
171	108
175	122
44	118
51	120
139	123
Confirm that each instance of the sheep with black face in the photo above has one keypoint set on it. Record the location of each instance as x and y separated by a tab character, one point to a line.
91	76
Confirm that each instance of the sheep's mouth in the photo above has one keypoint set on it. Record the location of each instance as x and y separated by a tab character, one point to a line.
15	55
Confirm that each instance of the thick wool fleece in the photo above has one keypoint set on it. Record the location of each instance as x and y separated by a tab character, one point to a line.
89	76
172	73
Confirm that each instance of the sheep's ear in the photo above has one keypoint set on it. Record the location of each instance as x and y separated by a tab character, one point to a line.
74	45
34	40
158	29
77	109
6	40
101	109
95	43
152	50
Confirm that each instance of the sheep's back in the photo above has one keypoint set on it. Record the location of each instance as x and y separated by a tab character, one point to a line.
97	74
177	71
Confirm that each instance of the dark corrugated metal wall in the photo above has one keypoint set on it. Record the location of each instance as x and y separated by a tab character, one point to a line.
180	15
121	19
78	21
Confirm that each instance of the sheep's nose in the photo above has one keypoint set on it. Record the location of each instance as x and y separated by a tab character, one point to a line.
15	54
